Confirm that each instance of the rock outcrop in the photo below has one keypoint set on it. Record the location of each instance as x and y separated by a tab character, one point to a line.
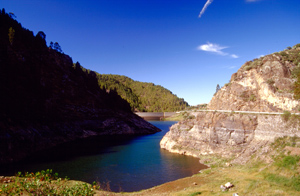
263	85
225	134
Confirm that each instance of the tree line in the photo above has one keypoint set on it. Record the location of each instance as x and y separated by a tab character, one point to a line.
142	96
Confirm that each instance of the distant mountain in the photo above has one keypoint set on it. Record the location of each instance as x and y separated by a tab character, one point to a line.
46	99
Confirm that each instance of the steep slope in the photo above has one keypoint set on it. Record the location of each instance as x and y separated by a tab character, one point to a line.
142	96
265	84
46	100
262	85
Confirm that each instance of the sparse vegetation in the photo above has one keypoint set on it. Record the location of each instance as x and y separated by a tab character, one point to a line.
296	71
188	116
194	194
286	115
270	82
227	84
253	64
252	98
43	183
248	96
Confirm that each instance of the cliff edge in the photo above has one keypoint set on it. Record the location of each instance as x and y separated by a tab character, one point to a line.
262	85
265	84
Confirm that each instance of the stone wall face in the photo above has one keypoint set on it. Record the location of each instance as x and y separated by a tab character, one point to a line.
226	134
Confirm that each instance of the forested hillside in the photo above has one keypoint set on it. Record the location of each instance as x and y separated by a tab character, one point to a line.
142	96
45	100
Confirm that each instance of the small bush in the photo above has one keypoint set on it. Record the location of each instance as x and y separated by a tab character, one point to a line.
252	98
227	84
289	162
295	72
270	82
283	54
244	95
248	67
286	115
296	46
194	194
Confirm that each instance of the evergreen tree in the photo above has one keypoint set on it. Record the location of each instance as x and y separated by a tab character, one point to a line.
51	45
217	88
57	47
41	35
11	35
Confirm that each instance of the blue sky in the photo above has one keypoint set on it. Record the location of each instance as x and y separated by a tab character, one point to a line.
164	41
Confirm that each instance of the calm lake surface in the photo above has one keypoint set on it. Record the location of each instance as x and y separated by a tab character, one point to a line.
128	165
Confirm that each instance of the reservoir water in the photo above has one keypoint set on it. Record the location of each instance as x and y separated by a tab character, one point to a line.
128	165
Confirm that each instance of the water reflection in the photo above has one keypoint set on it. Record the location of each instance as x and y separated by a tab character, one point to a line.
132	163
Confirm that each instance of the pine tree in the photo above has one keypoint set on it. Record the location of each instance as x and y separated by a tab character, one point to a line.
11	35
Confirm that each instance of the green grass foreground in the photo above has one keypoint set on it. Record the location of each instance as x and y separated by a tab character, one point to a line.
43	183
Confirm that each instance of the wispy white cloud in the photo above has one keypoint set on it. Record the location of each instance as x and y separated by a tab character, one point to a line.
216	48
234	56
205	7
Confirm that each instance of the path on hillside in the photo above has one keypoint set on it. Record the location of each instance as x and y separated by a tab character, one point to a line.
247	112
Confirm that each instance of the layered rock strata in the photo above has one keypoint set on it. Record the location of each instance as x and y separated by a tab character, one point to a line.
226	134
262	85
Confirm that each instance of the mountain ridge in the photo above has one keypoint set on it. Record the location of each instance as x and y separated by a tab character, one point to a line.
46	101
142	96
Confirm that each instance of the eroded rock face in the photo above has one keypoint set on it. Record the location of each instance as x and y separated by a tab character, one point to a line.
263	85
226	134
211	133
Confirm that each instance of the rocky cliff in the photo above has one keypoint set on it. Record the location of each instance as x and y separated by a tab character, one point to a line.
265	84
261	85
46	99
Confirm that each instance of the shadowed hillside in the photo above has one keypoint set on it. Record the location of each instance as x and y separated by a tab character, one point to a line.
46	100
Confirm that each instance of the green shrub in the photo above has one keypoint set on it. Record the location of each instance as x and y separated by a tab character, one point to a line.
248	67
270	82
289	162
252	98
293	182
194	194
286	115
296	46
42	183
